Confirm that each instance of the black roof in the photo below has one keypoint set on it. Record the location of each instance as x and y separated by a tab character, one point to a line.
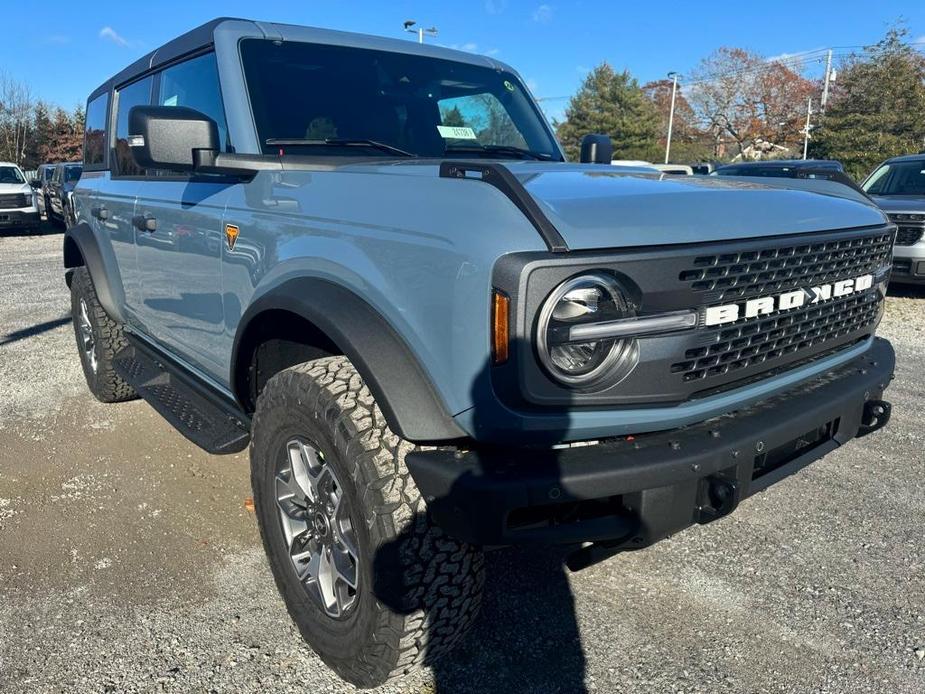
193	40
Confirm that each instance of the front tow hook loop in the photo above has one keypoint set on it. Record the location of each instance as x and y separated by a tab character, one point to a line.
722	496
876	415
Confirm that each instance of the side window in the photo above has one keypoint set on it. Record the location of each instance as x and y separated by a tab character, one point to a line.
481	117
95	134
136	94
194	84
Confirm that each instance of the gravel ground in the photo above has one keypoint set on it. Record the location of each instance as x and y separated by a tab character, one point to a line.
128	561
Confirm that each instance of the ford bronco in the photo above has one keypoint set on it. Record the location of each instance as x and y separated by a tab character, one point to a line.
368	260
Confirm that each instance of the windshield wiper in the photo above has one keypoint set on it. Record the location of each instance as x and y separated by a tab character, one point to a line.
338	142
501	149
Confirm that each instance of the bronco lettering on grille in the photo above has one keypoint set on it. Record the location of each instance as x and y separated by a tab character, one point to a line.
762	306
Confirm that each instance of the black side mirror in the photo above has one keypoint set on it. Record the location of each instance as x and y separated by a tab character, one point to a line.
35	183
596	149
165	137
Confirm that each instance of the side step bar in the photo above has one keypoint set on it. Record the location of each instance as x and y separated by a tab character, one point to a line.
204	416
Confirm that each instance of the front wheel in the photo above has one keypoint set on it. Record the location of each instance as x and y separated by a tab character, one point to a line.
99	338
375	588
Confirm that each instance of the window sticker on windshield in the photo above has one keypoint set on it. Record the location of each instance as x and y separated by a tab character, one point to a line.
449	132
508	86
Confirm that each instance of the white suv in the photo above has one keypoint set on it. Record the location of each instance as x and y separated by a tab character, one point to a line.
17	201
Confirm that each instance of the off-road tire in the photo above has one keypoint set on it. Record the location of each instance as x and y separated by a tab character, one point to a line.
419	589
105	384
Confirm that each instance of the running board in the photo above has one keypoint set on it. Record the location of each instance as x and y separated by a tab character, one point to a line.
196	410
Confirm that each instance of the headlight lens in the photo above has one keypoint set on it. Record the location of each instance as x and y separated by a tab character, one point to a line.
590	298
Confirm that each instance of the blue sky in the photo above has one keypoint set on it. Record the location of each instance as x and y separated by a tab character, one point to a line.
65	49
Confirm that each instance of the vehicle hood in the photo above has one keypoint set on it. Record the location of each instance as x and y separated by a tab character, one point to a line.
13	188
900	203
595	206
600	209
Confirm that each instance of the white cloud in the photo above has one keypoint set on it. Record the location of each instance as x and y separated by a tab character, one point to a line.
492	51
56	40
919	41
543	14
495	6
107	33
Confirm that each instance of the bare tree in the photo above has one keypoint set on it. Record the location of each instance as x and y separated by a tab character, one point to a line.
739	95
16	112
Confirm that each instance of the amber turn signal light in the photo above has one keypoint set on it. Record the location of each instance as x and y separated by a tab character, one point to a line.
500	327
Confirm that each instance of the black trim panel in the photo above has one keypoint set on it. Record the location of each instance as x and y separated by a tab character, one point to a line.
500	177
82	248
401	387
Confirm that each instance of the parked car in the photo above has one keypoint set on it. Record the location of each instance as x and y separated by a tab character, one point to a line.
63	181
41	185
439	337
898	187
782	168
17	203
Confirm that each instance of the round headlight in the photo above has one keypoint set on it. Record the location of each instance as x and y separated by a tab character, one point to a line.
590	298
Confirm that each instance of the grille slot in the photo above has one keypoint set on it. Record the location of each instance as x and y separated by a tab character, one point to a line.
911	226
766	342
11	201
734	276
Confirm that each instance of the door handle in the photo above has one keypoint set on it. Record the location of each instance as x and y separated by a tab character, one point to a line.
145	222
100	213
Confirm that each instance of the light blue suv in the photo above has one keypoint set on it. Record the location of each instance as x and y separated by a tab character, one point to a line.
369	260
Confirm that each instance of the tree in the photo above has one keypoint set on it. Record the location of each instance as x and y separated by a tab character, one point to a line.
453	117
66	137
737	95
16	104
689	143
877	107
611	103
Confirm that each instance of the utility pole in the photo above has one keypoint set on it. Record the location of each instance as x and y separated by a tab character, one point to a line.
809	112
409	27
674	91
828	75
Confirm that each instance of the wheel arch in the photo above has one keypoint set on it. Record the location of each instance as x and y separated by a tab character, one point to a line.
81	248
331	320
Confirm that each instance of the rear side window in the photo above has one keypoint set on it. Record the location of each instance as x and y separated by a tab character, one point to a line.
195	84
136	94
95	134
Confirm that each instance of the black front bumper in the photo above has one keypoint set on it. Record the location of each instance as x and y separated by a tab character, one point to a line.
632	491
15	218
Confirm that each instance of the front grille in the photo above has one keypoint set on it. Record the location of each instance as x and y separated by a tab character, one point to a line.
910	227
754	273
751	346
13	201
765	342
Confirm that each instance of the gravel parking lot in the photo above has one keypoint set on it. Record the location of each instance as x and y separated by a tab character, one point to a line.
129	561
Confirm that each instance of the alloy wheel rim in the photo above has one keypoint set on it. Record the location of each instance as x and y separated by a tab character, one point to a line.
317	530
88	342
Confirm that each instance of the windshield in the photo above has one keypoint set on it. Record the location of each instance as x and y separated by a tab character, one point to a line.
72	173
11	174
47	173
898	178
426	107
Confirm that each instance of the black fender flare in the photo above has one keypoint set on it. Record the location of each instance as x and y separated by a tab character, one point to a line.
82	248
402	388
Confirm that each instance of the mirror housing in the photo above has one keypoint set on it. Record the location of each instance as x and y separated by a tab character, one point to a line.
35	183
165	137
596	149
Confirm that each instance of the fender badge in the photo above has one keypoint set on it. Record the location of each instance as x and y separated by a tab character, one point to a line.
231	235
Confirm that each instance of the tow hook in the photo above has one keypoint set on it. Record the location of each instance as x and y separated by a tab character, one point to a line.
721	494
876	415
